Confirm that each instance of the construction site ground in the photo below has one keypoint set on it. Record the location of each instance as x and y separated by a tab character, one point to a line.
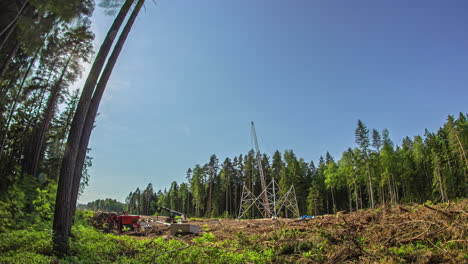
409	233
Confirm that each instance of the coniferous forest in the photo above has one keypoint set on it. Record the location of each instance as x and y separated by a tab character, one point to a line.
375	171
45	159
43	45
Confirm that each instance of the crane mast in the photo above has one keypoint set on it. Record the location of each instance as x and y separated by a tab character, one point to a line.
262	175
268	196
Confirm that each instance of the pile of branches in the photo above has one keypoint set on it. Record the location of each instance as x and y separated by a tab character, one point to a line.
390	234
103	220
417	233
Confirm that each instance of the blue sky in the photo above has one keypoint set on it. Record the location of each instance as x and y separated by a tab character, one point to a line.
193	74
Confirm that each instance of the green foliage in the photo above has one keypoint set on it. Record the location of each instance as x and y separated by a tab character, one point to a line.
103	205
26	204
20	257
16	246
44	203
12	204
432	167
91	246
409	249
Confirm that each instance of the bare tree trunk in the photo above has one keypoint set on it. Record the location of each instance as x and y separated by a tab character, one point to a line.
371	190
208	211
441	183
227	196
13	22
10	28
356	196
3	94
382	191
63	206
350	198
460	148
7	37
38	140
32	120
360	198
15	102
333	200
4	88
94	106
230	199
390	192
397	193
315	207
8	60
326	200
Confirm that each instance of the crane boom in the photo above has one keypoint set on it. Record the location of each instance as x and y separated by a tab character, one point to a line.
262	175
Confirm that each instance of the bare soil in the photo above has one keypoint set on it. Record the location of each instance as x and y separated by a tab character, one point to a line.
392	234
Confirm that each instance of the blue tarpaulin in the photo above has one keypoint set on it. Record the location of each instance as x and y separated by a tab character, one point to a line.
307	216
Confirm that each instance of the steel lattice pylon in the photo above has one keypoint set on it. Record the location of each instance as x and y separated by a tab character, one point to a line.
266	202
287	201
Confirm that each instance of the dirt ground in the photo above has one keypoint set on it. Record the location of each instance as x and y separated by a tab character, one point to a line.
396	222
222	229
400	233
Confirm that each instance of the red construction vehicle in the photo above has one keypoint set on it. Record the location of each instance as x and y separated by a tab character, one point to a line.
125	220
110	220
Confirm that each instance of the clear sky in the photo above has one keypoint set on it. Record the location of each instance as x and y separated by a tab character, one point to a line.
193	74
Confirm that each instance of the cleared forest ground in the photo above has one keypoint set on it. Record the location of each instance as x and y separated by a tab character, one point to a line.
398	234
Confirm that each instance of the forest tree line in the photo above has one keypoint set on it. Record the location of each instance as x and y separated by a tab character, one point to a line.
44	127
376	171
111	205
42	47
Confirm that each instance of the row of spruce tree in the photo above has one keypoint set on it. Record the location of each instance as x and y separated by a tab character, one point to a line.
108	204
43	44
376	171
43	149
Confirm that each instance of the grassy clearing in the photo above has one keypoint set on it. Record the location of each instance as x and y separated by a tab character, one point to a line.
91	246
34	245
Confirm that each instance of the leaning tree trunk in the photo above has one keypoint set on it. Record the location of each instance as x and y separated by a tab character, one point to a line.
38	140
8	60
62	215
32	120
6	33
15	102
12	23
94	106
3	88
460	147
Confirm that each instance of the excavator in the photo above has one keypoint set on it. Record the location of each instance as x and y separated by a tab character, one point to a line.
172	215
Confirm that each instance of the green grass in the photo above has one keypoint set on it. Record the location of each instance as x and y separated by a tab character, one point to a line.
92	246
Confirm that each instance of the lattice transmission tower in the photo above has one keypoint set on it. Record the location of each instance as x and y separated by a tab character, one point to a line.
269	202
